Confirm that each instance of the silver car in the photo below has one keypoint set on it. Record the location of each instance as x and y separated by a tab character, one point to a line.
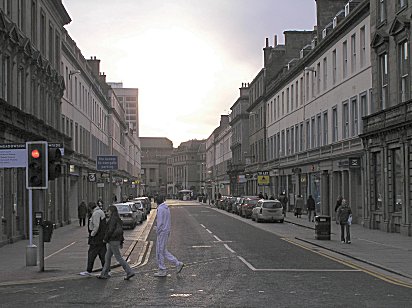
129	215
268	210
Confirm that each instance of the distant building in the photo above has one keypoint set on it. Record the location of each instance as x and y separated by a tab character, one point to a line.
155	151
187	167
239	123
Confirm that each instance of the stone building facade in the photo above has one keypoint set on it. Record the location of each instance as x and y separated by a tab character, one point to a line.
387	131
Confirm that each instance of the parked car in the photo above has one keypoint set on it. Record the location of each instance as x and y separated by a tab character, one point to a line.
268	210
238	205
128	214
139	205
248	204
146	201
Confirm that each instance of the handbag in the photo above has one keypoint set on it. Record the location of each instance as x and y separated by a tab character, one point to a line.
350	219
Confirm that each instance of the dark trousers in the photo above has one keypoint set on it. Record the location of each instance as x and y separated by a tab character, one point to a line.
342	232
94	251
82	222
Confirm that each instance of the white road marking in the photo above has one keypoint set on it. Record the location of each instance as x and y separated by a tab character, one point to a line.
203	226
293	269
209	231
228	248
59	251
201	246
218	239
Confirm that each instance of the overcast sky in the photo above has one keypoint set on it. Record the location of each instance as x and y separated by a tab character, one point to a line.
188	58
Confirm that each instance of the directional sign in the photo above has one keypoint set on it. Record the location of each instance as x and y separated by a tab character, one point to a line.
13	155
106	163
91	177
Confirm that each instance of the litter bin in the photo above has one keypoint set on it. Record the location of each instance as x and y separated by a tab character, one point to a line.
47	230
322	227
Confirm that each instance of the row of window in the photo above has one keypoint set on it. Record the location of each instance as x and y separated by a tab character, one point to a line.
315	80
314	132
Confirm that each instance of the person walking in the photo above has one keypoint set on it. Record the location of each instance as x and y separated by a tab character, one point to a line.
97	228
338	204
82	213
299	206
284	200
310	203
163	232
344	216
114	239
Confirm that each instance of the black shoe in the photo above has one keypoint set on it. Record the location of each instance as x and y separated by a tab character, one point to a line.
129	276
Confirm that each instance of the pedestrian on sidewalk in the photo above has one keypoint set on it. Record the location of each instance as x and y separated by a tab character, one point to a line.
310	203
82	213
163	231
338	204
97	229
284	200
344	212
114	242
299	206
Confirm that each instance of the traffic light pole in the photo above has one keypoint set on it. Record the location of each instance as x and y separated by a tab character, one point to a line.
31	250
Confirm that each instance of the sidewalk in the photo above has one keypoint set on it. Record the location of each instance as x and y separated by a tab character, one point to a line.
388	251
65	256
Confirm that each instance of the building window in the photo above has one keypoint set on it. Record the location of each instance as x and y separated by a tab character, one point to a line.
287	100
334	66
21	15
397	180
297	93
355	117
301	140
345	59
363	107
297	138
42	33
34	22
307	86
301	91
362	47
404	71
319	79
353	53
5	78
287	141
283	144
292	89
292	140
325	128
382	10
376	167
335	124
383	73
319	130
313	133
325	73
283	103
402	4
345	120
307	135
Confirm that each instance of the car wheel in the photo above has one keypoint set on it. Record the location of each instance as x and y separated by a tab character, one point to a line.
258	219
253	218
282	220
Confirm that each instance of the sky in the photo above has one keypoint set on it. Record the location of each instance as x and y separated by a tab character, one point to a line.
188	58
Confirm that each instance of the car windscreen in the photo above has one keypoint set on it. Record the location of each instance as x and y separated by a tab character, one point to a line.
252	201
123	208
272	205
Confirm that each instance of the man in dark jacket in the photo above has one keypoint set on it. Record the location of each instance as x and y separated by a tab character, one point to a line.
82	213
310	203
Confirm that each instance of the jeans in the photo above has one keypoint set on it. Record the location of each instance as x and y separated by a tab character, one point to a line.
342	232
162	252
311	215
94	251
113	248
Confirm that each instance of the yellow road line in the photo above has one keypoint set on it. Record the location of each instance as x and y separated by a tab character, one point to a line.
355	266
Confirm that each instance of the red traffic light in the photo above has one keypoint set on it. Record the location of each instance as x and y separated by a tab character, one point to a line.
35	153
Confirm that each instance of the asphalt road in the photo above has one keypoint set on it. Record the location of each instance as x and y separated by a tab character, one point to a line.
229	263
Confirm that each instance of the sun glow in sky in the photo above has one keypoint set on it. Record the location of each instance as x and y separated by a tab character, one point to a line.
188	58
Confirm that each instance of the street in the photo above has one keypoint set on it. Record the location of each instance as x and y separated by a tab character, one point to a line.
229	262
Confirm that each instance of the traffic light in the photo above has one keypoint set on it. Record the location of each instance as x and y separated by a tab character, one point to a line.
36	170
54	165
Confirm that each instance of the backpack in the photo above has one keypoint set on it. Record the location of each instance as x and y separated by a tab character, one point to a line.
98	238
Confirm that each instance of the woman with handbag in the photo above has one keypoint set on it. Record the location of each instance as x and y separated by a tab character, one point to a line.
114	242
